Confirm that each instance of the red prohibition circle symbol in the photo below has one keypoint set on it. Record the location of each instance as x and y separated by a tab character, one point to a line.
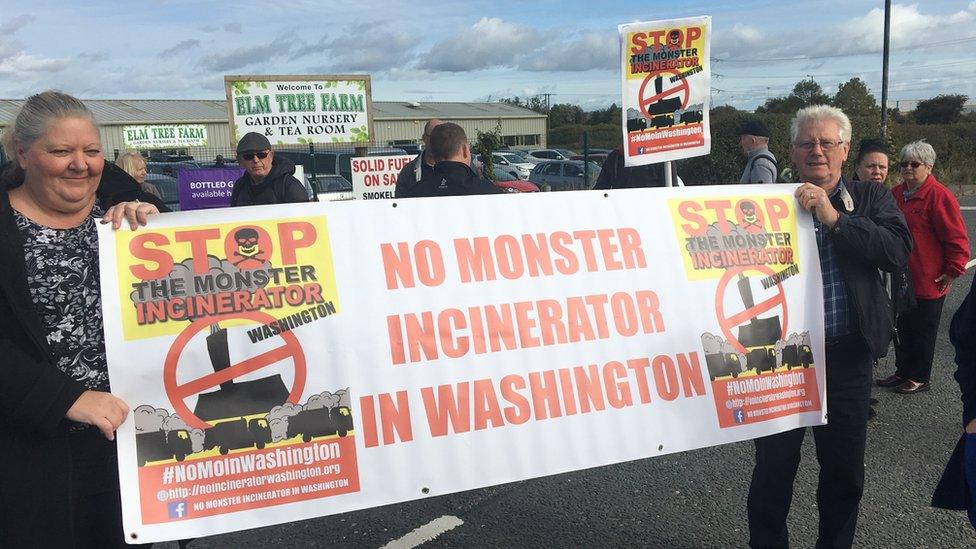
178	393
679	87
729	322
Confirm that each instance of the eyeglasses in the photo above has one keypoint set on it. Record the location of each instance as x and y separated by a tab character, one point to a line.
913	164
826	145
250	155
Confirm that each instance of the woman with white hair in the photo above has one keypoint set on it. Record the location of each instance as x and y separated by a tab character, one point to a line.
59	483
939	257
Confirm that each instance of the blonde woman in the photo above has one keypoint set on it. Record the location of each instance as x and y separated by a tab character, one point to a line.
134	165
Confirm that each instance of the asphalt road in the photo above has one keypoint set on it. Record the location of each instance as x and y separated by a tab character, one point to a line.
692	499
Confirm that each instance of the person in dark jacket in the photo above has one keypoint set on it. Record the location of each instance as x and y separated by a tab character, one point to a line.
615	175
958	481
859	230
419	167
59	483
267	179
871	164
452	174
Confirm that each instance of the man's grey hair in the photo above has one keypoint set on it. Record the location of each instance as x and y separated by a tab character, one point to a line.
816	113
919	151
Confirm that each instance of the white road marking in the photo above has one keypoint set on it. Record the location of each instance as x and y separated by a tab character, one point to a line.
967	208
425	533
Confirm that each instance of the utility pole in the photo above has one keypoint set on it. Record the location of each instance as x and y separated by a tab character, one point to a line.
884	71
548	108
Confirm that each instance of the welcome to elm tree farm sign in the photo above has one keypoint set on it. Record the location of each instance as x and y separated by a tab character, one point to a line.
164	136
301	110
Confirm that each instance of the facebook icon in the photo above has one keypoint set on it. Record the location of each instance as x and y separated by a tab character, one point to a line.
177	509
738	416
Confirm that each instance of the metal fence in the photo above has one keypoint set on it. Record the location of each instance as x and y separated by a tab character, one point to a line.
327	166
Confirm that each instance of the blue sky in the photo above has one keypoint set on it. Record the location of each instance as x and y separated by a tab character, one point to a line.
473	50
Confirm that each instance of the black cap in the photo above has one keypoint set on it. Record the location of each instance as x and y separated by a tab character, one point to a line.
754	127
253	141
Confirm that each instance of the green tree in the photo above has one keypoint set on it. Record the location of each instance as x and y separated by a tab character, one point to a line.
941	109
805	93
534	103
485	145
855	99
609	115
563	114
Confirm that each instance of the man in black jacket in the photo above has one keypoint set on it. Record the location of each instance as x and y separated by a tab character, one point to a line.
267	179
452	173
859	231
419	167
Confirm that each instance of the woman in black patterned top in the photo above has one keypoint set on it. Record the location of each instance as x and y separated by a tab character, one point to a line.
58	470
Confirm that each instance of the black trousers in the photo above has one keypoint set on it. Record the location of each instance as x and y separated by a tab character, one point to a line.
917	330
840	453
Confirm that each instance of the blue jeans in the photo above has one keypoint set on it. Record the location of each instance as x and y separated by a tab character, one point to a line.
971	475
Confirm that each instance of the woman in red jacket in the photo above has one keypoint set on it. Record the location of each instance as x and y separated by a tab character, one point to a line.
939	257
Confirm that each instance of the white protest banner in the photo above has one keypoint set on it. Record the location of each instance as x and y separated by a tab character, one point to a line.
665	74
164	136
300	110
293	361
375	177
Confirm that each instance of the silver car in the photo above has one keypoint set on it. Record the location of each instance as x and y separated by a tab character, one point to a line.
564	175
514	162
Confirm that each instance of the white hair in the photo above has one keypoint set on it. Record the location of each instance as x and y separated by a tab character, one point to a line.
919	151
34	116
815	113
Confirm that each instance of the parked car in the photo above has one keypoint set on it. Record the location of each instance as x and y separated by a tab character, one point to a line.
170	168
409	148
541	155
596	155
564	175
512	160
333	161
333	187
167	187
513	184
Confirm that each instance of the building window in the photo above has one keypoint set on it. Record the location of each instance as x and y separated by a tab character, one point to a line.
515	140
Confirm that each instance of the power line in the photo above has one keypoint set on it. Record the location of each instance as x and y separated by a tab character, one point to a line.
854	54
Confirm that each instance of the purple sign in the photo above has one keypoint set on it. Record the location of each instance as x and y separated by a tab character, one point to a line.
202	188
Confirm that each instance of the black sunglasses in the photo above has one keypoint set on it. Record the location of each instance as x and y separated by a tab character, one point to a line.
250	155
913	164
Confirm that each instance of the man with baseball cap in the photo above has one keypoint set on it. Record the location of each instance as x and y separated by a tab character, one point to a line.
760	163
267	179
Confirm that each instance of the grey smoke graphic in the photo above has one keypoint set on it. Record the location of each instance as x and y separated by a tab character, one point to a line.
149	419
183	271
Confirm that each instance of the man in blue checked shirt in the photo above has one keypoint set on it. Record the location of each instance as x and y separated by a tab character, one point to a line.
859	231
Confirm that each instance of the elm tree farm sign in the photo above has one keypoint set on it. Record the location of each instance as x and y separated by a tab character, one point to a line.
164	136
301	110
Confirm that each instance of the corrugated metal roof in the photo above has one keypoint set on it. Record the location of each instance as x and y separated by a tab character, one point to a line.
410	110
142	111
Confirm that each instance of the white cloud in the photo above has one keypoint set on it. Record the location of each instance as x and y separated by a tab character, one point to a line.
180	47
364	48
960	17
250	55
21	63
590	51
491	42
747	33
16	23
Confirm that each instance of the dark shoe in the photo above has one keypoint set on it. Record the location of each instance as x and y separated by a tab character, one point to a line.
871	413
891	381
912	387
873	401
